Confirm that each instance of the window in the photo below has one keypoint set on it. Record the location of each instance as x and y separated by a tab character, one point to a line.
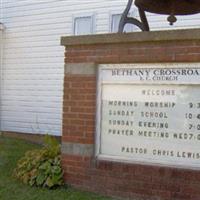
83	25
115	19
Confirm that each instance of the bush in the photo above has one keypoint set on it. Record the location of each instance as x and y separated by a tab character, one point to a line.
41	167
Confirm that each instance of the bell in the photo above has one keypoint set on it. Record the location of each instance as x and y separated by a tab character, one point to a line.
163	7
170	7
178	7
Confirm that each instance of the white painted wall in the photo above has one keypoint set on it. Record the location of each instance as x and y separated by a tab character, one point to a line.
32	84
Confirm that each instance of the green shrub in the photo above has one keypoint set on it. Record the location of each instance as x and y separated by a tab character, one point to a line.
41	167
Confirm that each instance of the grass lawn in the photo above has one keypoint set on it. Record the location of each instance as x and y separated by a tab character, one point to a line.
10	189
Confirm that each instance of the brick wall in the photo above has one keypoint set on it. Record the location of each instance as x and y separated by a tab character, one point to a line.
82	169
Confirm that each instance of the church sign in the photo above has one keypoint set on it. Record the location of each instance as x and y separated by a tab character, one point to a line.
149	113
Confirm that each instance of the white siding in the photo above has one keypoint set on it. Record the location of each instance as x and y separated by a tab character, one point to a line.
32	84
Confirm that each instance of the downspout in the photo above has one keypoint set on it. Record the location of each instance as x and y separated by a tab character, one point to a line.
2	28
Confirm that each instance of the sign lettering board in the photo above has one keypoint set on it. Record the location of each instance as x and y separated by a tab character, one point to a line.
149	113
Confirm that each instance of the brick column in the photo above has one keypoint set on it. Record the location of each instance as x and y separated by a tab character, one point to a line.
82	169
78	120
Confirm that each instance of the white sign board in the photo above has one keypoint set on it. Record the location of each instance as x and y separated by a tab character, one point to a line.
149	113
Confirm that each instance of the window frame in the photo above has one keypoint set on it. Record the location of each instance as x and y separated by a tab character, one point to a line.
119	12
84	15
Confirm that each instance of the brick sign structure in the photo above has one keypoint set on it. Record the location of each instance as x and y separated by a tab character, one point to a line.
131	124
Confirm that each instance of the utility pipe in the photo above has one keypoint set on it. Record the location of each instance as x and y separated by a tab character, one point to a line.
2	28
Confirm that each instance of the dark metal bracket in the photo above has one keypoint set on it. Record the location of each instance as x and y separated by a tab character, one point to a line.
143	24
